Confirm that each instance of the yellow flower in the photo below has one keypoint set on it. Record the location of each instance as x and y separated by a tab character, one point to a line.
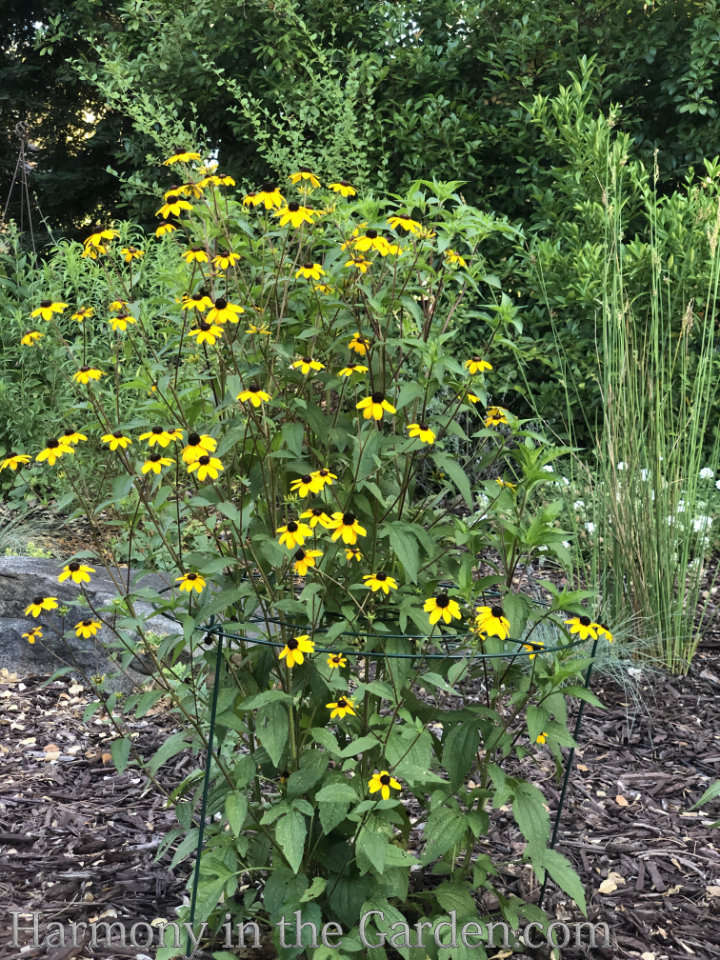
224	260
293	534
206	332
422	431
455	259
477	365
380	581
83	313
86	374
494	416
305	485
217	180
602	631
541	737
53	450
360	263
255	394
352	368
199	301
195	255
294	214
13	461
343	188
310	271
359	344
77	572
116	439
73	437
323	478
206	466
182	156
268	195
304	173
186	190
472	398
306	364
161	435
39	604
121	321
383	781
346	525
402	220
505	483
441	607
262	329
131	253
295	649
341	708
191	581
304	559
317	516
155	462
535	646
583	626
492	621
352	553
94	251
372	240
323	288
173	207
222	311
33	635
31	337
47	308
335	660
374	405
87	628
117	305
167	226
98	238
197	445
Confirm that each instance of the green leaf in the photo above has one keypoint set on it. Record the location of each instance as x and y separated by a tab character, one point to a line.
361	745
265	698
332	814
561	871
460	751
456	896
120	752
315	889
529	812
404	547
447	464
236	805
711	793
272	730
371	849
445	828
336	793
290	833
313	764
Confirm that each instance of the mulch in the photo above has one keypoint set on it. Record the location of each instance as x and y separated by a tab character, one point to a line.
78	840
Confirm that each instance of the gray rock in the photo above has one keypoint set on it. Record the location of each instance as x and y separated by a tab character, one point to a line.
24	578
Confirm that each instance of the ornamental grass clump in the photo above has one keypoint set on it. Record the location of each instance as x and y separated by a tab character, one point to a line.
272	429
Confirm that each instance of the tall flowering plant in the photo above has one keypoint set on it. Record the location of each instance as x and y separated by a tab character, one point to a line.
271	390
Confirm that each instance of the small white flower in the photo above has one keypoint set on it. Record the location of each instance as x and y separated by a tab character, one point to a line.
622	465
681	506
644	474
566	544
566	482
717	484
706	473
702	524
581	503
670	520
547	468
590	527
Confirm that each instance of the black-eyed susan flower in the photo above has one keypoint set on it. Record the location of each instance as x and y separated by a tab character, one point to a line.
352	368
383	782
47	308
404	221
77	572
352	553
118	305
33	635
254	395
374	406
260	330
83	313
206	332
85	374
380	581
225	260
121	322
534	647
307	364
73	437
268	195
347	526
477	365
173	207
455	259
602	631
161	435
422	432
293	534
343	188
472	398
310	271
359	344
31	338
304	174
197	445
155	462
14	461
323	478
94	251
336	660
303	560
492	621
195	255
441	607
132	253
323	288
87	628
165	228
505	483
295	649
341	708
206	466
116	439
315	516
100	237
223	312
217	180
305	485
371	240
358	263
190	189
188	582
196	301
583	626
294	214
541	737
495	416
182	156
53	450
39	604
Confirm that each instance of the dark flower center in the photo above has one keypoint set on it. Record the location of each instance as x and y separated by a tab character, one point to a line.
195	249
194	439
293	206
51	444
442	601
191	576
172	198
304	169
292	527
38	601
84	369
122	316
118	434
308	266
253	388
317	512
220	303
155	457
300	555
285	774
378	397
87	623
342	702
306	478
371	234
72	567
292	644
497	612
323	473
157	430
268	188
46	303
381	577
204	460
203	324
307	359
585	621
348	519
423	426
385	780
344	183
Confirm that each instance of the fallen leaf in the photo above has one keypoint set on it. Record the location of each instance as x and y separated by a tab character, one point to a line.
621	801
712	891
611	883
106	759
647	956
